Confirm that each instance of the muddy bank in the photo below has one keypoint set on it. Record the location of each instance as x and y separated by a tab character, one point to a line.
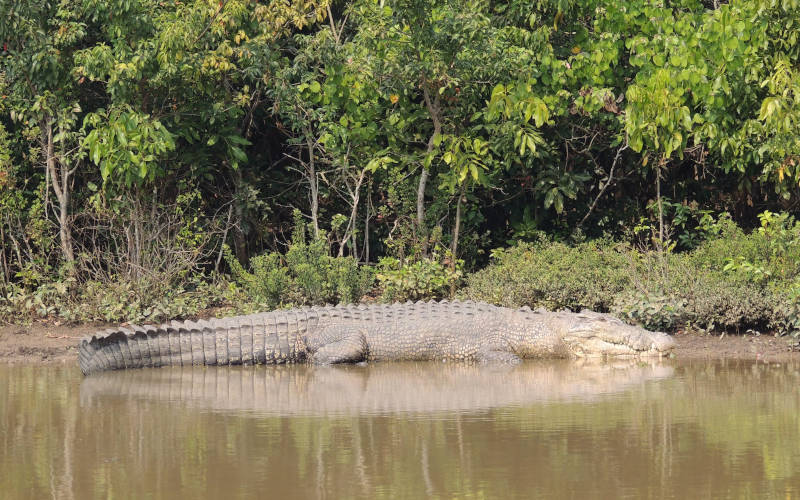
41	342
767	348
54	343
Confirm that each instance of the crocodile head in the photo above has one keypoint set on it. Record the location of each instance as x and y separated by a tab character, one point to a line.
591	334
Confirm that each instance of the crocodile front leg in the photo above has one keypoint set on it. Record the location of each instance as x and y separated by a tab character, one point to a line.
340	344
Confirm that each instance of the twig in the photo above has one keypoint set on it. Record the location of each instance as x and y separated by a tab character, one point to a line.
213	18
224	237
608	183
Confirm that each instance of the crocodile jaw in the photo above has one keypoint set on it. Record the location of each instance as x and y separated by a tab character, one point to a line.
600	335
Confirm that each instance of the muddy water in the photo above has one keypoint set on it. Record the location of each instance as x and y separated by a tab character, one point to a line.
539	430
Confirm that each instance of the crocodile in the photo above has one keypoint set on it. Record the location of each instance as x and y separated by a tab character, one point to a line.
442	331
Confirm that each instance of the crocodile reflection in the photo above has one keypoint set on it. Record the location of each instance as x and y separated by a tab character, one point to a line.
375	389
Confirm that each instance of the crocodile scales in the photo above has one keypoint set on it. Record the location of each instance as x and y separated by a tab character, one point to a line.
468	331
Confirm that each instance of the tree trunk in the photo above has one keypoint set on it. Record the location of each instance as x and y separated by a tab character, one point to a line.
59	180
366	222
224	238
457	228
660	206
313	184
239	242
423	180
661	247
138	244
434	109
6	275
350	230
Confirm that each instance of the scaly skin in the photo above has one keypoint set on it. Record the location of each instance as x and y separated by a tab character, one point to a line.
465	331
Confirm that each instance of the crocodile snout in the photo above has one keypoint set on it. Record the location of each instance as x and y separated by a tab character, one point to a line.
602	335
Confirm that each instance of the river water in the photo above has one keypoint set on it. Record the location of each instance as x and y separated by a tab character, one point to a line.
538	430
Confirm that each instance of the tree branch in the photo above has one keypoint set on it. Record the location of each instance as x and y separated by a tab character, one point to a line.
608	183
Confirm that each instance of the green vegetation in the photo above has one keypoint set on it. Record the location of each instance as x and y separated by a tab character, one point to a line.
305	275
153	154
433	277
703	289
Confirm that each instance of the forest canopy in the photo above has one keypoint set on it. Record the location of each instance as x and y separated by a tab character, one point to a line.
155	143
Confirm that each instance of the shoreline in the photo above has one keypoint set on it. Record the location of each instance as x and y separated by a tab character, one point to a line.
53	343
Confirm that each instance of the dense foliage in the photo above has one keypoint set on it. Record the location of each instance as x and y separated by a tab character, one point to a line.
141	138
702	289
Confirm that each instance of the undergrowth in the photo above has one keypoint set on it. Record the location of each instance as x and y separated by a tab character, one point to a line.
306	274
731	281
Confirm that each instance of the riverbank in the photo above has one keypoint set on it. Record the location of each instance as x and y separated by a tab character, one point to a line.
49	343
41	342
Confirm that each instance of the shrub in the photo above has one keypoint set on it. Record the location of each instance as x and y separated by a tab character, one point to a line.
267	282
699	289
307	274
434	277
113	301
695	298
553	275
713	300
135	260
119	301
786	317
652	311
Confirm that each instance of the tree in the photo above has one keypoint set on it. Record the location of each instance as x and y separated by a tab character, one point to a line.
435	58
39	41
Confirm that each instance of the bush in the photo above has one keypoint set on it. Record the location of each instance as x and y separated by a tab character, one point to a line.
553	275
717	300
114	301
771	253
696	298
134	261
768	260
732	281
307	274
652	311
433	277
786	317
137	302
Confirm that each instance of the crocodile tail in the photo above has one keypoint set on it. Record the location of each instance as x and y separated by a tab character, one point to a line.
250	339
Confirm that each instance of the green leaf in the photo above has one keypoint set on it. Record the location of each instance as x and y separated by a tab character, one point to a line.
531	143
120	131
549	197
237	153
769	106
105	170
237	139
498	90
636	141
95	153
